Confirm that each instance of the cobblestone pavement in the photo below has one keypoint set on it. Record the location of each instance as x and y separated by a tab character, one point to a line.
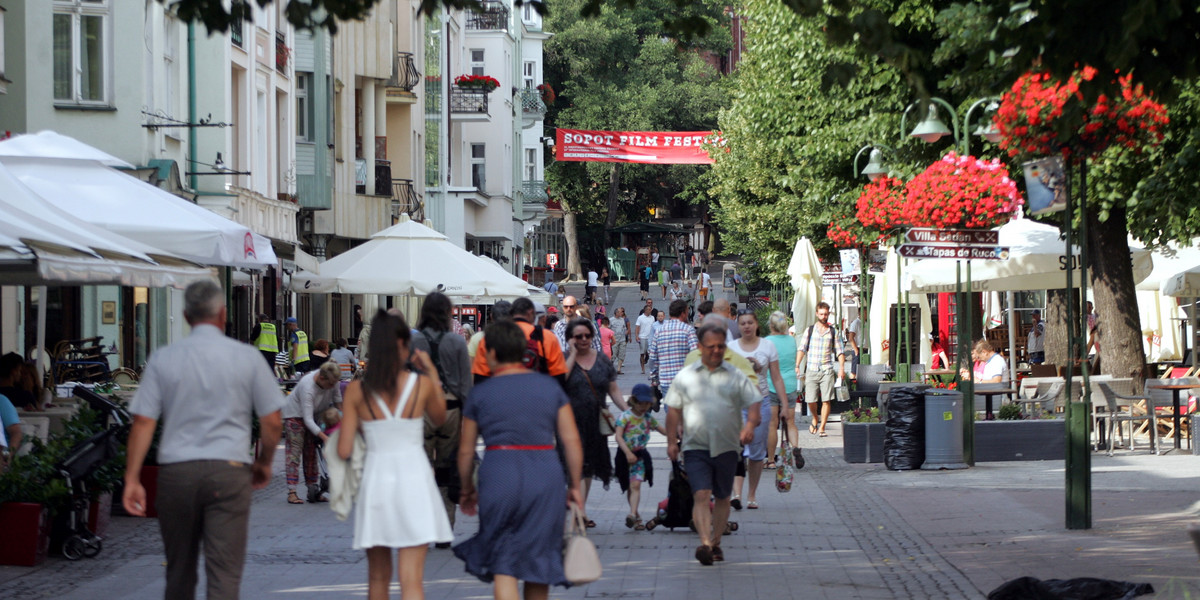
844	531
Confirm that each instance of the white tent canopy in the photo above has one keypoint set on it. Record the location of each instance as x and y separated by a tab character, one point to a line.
41	245
410	259
1035	262
124	205
1169	261
49	144
805	272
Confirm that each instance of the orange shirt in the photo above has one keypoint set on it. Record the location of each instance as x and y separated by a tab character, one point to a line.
551	351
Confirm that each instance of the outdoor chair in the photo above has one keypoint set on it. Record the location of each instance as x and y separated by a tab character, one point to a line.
867	385
1162	402
1127	409
916	373
1046	398
881	398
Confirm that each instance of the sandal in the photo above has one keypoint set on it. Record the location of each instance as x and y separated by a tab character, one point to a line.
630	521
639	526
704	554
753	505
798	458
736	503
812	428
589	523
770	465
718	554
822	434
730	527
292	498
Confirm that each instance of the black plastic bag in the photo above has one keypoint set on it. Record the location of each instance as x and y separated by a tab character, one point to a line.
1082	588
904	431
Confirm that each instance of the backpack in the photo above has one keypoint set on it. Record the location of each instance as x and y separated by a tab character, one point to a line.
436	357
534	359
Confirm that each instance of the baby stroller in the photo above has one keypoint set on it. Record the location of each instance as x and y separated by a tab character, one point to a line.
83	460
676	509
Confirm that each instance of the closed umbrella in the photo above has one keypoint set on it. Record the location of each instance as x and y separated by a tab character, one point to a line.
805	272
883	297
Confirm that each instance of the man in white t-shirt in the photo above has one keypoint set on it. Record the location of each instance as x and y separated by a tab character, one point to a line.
642	329
1035	344
593	280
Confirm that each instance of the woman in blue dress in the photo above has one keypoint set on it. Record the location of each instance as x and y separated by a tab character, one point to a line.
523	494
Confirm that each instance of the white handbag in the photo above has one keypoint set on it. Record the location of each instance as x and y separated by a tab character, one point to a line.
581	562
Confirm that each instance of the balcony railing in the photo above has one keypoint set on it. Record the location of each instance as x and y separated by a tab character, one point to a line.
406	201
535	191
383	179
492	16
404	72
532	107
235	32
469	101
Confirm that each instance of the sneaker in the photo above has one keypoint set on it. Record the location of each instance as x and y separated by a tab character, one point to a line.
798	458
704	554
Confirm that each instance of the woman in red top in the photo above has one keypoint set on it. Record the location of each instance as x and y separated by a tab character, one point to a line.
606	337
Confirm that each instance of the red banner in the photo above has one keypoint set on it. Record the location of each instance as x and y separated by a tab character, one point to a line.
649	147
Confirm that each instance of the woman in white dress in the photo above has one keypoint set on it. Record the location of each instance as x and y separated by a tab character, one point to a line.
398	503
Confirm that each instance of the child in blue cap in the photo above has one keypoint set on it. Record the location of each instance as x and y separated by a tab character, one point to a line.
633	466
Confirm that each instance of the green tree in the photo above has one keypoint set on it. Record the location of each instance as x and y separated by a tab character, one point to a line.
619	71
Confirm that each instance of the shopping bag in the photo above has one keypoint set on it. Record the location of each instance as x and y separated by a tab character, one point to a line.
784	466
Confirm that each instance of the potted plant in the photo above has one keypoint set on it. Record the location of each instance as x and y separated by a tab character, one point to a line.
477	82
30	490
862	435
1013	436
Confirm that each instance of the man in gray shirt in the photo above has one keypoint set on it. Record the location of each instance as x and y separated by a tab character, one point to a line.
454	369
707	399
205	390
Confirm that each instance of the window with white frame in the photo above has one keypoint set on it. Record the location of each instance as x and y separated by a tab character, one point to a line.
170	67
304	110
82	48
527	12
531	164
477	66
478	166
529	74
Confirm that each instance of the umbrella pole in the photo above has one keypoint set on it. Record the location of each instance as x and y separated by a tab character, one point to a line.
1012	336
968	384
42	354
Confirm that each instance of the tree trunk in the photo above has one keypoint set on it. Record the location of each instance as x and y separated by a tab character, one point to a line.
614	193
574	268
1120	338
1056	325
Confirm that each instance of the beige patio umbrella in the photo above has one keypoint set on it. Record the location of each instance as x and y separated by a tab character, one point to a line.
805	272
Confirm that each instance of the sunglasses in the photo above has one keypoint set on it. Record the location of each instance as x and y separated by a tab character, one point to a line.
569	306
746	311
582	336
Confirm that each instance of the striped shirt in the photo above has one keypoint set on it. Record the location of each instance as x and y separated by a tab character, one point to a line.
827	346
669	349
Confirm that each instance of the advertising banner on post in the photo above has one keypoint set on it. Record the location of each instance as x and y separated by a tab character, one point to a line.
647	147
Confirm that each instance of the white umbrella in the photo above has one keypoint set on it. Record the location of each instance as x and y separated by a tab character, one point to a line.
1157	315
1035	261
805	272
130	207
1169	260
49	144
1185	284
409	259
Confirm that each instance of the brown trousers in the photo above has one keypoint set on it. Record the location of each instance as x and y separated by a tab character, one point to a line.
204	502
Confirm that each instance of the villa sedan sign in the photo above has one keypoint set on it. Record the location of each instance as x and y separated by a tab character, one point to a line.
646	147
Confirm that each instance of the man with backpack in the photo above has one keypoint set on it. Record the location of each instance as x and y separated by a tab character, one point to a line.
448	352
543	355
820	346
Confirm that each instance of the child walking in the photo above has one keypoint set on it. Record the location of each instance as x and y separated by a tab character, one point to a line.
633	466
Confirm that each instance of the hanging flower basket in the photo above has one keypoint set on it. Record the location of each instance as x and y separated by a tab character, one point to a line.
1030	110
548	95
881	205
961	191
477	82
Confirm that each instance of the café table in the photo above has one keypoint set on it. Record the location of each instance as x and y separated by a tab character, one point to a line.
987	398
932	373
1175	389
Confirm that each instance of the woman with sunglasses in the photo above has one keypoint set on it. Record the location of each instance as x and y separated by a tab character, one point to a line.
590	378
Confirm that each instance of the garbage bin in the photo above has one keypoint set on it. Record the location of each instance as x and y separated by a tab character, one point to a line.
904	431
943	430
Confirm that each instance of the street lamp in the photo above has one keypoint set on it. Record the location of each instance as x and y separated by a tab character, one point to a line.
989	131
875	167
932	128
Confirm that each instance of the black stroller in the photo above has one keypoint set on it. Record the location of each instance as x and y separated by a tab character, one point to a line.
83	460
676	509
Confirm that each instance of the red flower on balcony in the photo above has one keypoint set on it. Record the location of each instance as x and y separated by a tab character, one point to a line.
478	82
548	95
960	191
1029	111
